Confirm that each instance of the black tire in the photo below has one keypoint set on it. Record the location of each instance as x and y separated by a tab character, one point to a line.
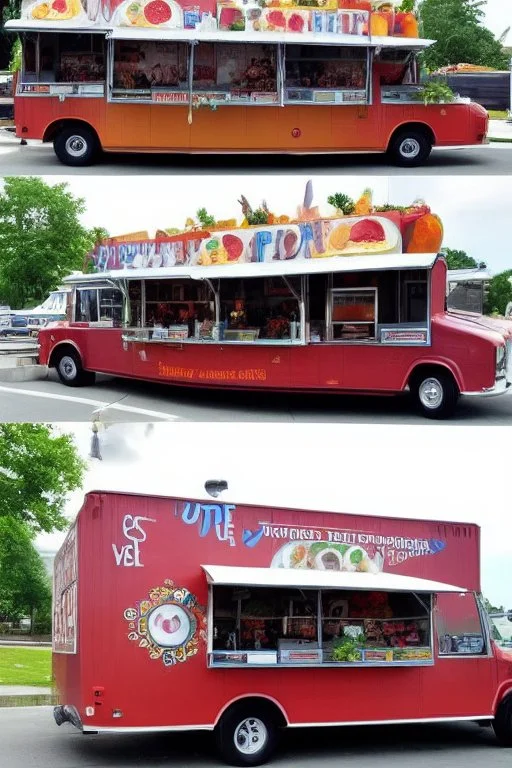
502	723
76	145
410	148
435	393
70	370
238	729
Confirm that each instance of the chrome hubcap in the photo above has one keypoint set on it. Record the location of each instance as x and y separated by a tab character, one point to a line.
250	736
410	148
431	393
76	146
67	367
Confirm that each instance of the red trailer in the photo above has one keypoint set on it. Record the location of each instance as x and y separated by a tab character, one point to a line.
174	614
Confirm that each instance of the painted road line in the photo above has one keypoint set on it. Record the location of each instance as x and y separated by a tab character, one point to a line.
97	404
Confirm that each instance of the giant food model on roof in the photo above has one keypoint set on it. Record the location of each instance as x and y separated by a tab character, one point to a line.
354	228
364	18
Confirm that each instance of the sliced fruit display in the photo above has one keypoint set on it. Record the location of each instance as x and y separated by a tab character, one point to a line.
296	23
367	231
277	19
157	12
233	246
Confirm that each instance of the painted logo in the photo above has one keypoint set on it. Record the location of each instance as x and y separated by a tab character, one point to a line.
129	554
170	623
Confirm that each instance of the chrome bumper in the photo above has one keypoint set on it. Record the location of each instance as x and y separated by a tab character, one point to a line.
501	387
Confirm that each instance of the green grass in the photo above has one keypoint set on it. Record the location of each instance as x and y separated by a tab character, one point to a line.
497	115
25	666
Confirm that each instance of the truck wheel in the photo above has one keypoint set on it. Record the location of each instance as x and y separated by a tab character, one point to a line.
76	145
502	723
410	148
70	370
436	393
246	735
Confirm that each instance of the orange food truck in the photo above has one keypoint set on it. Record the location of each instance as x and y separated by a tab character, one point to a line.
190	614
347	303
287	76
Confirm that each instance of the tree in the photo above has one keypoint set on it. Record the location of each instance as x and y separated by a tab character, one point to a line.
25	586
41	238
457	27
500	293
38	468
490	608
459	259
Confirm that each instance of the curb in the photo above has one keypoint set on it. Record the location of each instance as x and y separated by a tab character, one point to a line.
24	373
39	700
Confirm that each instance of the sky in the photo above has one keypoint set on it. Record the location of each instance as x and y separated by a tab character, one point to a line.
498	16
446	472
476	211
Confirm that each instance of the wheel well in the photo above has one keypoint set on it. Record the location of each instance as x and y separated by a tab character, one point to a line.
54	128
426	129
271	706
430	368
58	351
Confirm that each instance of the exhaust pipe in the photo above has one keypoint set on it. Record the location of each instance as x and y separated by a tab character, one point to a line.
67	714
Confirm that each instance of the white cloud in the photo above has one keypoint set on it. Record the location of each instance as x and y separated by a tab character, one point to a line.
447	473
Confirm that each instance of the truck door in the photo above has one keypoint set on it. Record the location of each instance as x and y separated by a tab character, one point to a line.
463	681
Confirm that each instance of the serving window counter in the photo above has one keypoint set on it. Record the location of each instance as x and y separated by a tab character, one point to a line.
382	307
275	617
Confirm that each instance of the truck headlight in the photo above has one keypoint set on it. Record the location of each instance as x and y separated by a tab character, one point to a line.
501	356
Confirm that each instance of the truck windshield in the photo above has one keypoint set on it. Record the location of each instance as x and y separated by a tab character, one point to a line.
501	629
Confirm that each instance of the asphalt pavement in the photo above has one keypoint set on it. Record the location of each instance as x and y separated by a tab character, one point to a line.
122	400
35	158
30	739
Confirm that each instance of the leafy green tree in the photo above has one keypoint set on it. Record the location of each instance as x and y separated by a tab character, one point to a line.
457	27
25	587
499	294
490	608
459	259
41	238
38	468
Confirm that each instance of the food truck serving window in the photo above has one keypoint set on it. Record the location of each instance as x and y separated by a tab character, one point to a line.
222	72
326	74
294	626
53	61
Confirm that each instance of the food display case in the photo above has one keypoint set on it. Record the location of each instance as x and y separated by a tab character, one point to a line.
353	314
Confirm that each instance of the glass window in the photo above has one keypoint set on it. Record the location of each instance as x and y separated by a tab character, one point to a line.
309	69
111	305
86	305
64	58
149	64
459	628
246	70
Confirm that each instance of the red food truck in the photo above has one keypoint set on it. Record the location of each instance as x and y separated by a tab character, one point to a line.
350	303
243	76
173	614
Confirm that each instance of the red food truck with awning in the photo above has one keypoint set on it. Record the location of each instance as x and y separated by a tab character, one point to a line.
175	614
331	304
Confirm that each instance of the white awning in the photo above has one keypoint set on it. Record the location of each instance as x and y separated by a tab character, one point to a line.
217	35
289	38
29	25
228	575
378	263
